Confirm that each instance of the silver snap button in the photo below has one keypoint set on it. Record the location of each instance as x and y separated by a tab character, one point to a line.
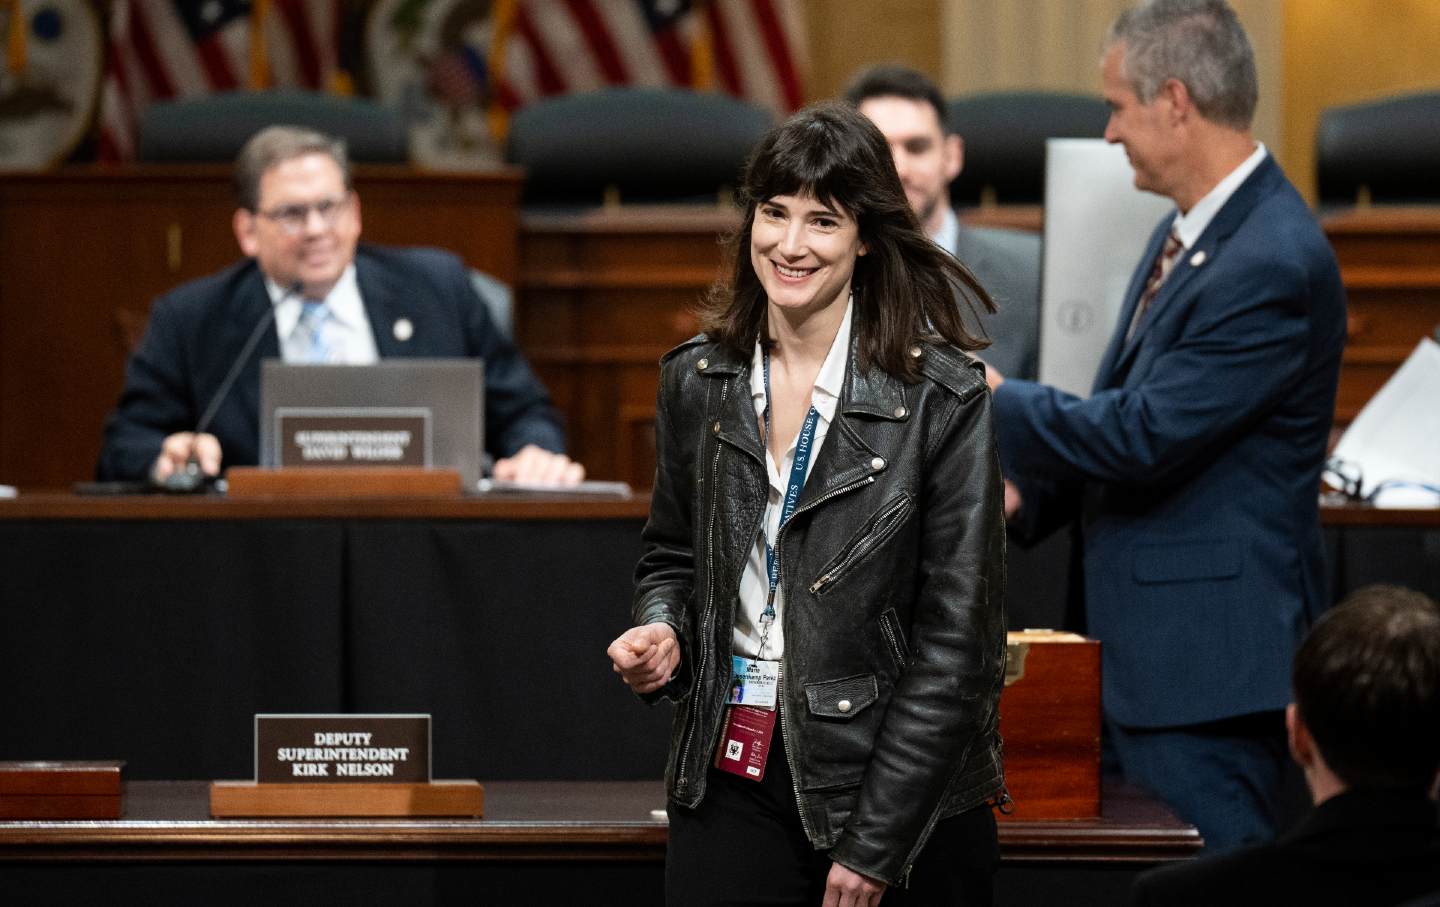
843	705
877	463
899	412
702	365
916	352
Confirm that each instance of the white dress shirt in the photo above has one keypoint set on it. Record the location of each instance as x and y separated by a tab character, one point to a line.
755	581
346	332
1192	223
948	237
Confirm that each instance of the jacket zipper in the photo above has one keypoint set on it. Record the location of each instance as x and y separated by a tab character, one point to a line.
895	649
707	614
790	760
780	704
882	531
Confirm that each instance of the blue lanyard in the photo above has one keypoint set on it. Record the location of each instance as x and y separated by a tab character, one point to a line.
804	444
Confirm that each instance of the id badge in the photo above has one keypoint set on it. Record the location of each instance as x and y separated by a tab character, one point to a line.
745	741
754	682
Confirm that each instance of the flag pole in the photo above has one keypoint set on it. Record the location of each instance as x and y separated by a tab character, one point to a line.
15	49
259	68
502	23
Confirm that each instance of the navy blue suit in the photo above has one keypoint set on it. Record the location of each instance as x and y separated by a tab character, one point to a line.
1194	465
197	330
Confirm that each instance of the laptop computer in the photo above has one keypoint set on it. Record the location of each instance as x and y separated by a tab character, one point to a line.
397	412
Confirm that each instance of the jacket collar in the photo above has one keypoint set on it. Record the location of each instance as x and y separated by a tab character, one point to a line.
850	453
1263	181
1373	810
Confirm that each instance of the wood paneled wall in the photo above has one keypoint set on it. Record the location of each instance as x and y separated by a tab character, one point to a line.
1345	51
845	35
1311	54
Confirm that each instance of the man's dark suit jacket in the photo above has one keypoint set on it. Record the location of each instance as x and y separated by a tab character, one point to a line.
1007	263
1353	849
1195	464
197	330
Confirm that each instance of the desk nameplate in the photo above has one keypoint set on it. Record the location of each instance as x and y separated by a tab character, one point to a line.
354	436
342	749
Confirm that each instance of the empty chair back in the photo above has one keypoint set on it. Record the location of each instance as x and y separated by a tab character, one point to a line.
649	144
1005	133
1388	148
214	127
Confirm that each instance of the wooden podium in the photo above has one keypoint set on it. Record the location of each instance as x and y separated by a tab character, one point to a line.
1050	724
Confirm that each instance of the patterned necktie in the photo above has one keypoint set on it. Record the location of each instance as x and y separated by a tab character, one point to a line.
1161	269
308	339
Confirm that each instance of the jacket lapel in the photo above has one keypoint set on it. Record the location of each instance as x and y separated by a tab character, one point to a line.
847	456
384	301
736	414
1110	361
1206	249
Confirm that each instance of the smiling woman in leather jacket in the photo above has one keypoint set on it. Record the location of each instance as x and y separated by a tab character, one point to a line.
822	586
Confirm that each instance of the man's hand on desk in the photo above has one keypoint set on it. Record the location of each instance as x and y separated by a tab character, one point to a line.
177	448
537	466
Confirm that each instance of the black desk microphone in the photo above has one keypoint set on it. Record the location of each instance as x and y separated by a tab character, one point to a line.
190	478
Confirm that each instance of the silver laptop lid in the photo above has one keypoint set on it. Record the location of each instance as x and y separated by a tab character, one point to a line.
410	412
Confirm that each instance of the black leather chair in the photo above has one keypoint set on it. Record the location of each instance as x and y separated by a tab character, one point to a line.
1389	148
1005	133
214	127
647	144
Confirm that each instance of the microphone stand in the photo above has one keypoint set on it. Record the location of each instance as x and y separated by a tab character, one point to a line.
190	478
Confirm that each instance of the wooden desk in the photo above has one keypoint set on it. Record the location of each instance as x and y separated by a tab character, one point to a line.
1390	264
550	820
87	250
558	842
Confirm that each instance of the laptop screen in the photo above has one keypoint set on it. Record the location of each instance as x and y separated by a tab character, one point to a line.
397	412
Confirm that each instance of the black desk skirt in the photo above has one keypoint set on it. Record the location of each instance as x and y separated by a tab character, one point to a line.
157	641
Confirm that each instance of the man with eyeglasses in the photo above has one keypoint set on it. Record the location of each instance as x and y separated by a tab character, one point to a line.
335	301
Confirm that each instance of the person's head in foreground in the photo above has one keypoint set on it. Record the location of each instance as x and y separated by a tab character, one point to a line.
1366	714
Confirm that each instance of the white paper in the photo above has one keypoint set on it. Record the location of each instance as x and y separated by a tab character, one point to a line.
602	489
1096	227
1396	437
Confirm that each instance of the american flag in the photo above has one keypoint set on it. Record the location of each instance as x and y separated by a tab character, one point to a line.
752	49
163	49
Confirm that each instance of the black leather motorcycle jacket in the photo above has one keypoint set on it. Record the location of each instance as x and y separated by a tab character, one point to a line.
893	571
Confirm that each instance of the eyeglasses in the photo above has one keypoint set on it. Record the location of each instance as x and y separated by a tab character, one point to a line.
1344	477
293	219
1348	483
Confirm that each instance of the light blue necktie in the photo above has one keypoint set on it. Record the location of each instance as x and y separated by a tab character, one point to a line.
310	332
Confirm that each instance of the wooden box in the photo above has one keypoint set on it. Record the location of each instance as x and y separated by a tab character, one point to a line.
1050	723
60	790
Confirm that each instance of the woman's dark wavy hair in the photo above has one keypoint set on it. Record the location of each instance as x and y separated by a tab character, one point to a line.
906	287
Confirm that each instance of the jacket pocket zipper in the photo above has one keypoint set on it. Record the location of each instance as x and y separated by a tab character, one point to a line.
893	640
886	525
